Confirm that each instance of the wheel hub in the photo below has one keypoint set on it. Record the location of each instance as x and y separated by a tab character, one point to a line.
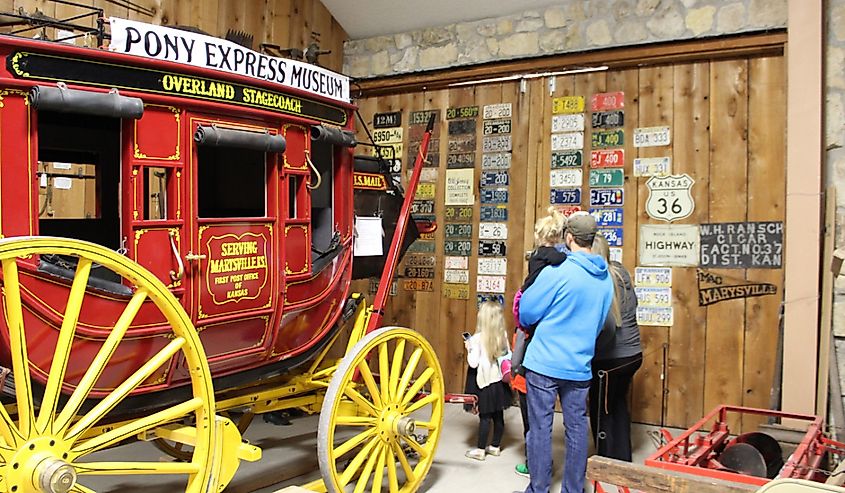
393	423
56	476
40	466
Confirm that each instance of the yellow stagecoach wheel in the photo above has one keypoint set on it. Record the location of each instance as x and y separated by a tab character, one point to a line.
46	443
382	414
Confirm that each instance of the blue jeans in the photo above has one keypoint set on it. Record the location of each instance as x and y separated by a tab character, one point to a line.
542	394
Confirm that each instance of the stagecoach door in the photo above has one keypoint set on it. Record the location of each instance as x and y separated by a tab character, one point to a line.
230	263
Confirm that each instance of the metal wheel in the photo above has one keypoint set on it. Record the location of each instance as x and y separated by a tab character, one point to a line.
46	443
379	428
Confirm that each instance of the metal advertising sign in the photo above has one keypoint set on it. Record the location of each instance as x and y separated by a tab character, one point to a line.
499	160
604	101
565	196
462	112
611	216
607	178
670	197
421	246
607	197
608	119
493	266
747	245
458	213
608	138
715	288
419	260
494	213
568	159
387	135
458	230
368	181
485	297
501	110
494	196
654	296
612	235
652	136
494	179
455	291
653	276
451	262
457	127
568	104
425	191
496	143
500	126
669	245
490	284
418	285
387	120
457	247
492	248
568	123
652	166
567	141
567	177
456	276
493	231
614	158
456	161
655	316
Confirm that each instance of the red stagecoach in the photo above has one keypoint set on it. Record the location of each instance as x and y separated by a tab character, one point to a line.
177	215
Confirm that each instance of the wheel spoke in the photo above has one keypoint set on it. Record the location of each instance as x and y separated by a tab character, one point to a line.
63	346
78	488
353	442
429	399
398	356
408	373
392	480
378	474
359	399
117	395
98	365
370	382
384	372
130	468
364	478
417	386
406	466
17	346
8	431
137	426
423	451
357	461
354	420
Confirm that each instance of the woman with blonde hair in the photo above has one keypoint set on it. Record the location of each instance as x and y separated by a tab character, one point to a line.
486	350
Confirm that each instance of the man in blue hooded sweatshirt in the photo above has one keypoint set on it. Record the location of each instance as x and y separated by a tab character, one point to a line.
569	303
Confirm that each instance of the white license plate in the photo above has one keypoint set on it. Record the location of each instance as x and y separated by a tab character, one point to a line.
653	276
652	136
450	262
456	276
500	126
388	151
490	284
568	141
661	297
428	175
493	266
501	110
496	161
496	143
572	177
568	123
387	135
655	316
492	231
652	166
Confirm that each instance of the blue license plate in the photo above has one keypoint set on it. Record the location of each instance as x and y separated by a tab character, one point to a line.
494	196
607	196
613	236
494	213
608	217
566	196
495	179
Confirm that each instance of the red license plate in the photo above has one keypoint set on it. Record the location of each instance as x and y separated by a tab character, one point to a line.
607	101
614	158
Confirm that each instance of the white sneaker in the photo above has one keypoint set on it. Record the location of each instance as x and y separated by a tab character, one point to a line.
476	453
494	451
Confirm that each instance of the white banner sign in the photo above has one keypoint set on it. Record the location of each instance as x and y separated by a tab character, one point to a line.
669	245
199	50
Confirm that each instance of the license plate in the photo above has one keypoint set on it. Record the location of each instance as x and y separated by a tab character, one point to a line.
495	161
568	211
432	160
452	262
462	143
496	143
495	179
612	216
604	101
608	138
425	191
453	213
661	297
492	231
462	112
419	261
492	248
652	166
500	126
615	254
652	136
428	175
501	110
571	177
419	272
427	236
387	135
570	159
490	284
458	230
568	123
457	247
422	117
607	177
485	297
568	141
493	266
415	133
455	276
387	120
394	286
566	196
655	316
607	196
568	104
494	213
455	291
418	285
388	151
458	127
653	276
489	196
466	160
394	165
612	235
421	246
422	207
614	158
608	119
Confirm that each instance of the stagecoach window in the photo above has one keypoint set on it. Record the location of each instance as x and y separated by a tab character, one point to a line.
156	204
294	189
231	182
322	197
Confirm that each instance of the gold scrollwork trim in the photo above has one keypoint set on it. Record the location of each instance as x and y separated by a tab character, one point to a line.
305	267
287	164
177	114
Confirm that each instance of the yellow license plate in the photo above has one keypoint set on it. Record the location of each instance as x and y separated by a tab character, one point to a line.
455	291
425	191
568	104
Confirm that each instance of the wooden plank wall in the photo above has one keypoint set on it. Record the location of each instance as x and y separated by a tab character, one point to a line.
727	120
286	23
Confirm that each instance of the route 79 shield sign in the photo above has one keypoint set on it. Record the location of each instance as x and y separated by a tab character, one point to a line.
670	197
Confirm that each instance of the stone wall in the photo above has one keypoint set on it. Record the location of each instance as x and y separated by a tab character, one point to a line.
571	26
